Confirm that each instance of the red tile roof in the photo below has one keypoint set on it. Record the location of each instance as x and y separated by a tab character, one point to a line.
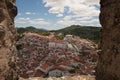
38	73
57	67
45	66
56	41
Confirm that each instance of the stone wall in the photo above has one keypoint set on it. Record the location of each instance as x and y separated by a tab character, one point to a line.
8	11
109	60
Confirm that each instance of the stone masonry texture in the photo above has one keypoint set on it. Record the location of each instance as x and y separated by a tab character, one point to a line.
8	35
109	58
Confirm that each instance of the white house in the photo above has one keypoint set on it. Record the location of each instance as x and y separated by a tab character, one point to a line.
51	44
56	73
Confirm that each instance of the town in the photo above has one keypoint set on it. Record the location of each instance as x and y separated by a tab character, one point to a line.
46	56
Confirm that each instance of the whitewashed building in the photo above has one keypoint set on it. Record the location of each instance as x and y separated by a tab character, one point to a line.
56	73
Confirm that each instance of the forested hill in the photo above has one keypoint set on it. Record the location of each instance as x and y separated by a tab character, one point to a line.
87	32
21	30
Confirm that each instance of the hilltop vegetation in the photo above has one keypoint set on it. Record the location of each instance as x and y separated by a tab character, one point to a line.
86	32
33	30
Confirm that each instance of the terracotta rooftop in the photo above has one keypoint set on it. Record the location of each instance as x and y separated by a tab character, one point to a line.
45	66
56	41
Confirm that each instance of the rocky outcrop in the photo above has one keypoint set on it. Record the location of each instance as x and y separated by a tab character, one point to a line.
109	62
8	34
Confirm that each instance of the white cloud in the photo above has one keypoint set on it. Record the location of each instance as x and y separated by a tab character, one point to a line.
66	22
68	17
93	1
31	22
84	18
39	21
81	7
76	20
82	12
56	6
59	15
30	13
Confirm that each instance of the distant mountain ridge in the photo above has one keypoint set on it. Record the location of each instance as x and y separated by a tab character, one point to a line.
30	29
87	32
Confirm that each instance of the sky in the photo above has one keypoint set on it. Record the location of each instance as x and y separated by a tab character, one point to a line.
57	14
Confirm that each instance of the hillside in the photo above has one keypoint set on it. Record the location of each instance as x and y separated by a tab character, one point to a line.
86	32
30	29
